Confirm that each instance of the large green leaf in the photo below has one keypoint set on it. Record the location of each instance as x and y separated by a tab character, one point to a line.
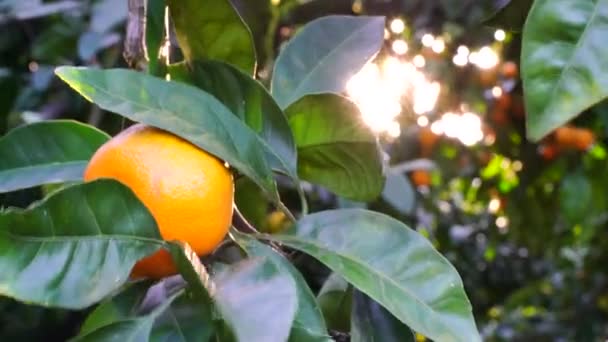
335	148
325	55
563	61
247	99
46	152
165	312
257	301
76	246
181	109
213	30
371	322
392	264
308	323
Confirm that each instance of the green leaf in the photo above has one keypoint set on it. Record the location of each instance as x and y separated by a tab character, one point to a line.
213	30
308	323
250	201
399	193
155	28
371	322
76	246
335	299
256	300
576	197
166	313
512	16
181	109
335	148
325	55
120	307
392	264
249	100
46	152
563	61
258	16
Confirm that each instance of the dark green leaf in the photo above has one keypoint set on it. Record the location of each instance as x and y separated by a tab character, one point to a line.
512	16
256	300
120	307
308	323
576	197
563	61
335	148
46	152
325	55
213	30
155	29
76	246
251	202
249	100
335	299
181	109
399	193
258	16
166	312
371	322
392	264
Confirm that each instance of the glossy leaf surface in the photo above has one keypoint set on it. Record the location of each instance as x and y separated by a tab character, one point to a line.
76	246
335	148
257	301
213	30
181	109
394	265
308	323
563	61
46	152
325	55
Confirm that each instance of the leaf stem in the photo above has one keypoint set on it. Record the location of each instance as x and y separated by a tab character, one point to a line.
241	224
286	211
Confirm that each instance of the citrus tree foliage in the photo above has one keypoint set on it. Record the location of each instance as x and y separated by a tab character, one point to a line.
208	113
338	257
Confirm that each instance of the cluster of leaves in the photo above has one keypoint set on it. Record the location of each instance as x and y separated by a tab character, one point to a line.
76	246
541	277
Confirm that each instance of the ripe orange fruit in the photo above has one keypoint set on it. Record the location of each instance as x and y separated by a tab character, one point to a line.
421	178
584	139
509	69
427	140
575	138
187	190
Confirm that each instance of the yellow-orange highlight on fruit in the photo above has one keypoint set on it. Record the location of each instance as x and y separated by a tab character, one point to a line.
188	191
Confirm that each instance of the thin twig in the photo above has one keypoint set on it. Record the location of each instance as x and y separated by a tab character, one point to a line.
134	47
241	224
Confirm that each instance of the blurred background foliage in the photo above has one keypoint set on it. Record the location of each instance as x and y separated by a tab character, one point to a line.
523	223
